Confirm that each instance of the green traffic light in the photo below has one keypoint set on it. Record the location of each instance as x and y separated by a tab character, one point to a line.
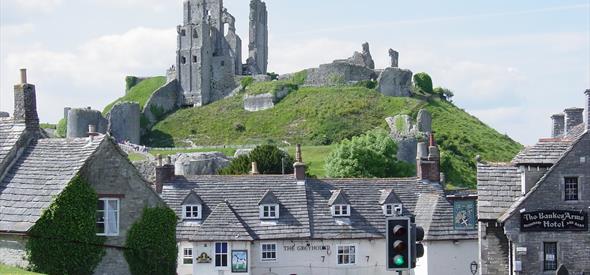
399	260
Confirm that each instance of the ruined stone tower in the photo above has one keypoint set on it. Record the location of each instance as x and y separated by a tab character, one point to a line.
258	47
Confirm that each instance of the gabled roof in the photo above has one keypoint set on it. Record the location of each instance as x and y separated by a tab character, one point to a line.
192	198
549	150
338	197
516	205
10	133
498	186
388	197
269	198
222	225
41	173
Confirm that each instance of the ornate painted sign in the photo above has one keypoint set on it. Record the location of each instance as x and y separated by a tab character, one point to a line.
554	220
239	261
203	258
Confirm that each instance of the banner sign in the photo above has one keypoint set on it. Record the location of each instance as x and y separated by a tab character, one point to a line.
554	220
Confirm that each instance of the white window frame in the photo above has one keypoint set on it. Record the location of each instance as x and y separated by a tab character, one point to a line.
227	255
105	214
263	250
192	217
388	209
337	210
565	189
354	254
187	256
269	214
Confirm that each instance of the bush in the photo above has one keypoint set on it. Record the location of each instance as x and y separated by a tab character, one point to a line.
269	160
246	81
299	78
151	243
444	93
64	241
62	128
369	84
368	156
130	82
423	83
273	75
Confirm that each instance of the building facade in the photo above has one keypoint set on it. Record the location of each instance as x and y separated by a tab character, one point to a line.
533	212
34	170
289	224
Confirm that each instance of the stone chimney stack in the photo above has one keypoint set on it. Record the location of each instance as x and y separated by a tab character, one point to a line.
587	92
164	173
299	166
25	103
428	161
574	117
254	169
558	128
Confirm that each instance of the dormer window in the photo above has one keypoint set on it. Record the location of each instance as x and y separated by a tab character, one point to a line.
191	212
341	210
269	206
192	207
390	203
269	211
391	209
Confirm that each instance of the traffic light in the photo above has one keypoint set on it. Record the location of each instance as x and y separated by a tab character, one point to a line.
417	247
398	243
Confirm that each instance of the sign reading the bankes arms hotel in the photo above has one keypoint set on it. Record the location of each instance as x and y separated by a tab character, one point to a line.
554	220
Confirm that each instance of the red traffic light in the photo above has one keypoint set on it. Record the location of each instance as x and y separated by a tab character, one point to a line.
399	230
400	246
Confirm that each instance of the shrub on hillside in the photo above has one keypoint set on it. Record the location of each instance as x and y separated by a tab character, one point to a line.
444	93
423	83
61	128
269	160
372	155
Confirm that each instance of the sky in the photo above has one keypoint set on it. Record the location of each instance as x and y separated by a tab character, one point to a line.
510	63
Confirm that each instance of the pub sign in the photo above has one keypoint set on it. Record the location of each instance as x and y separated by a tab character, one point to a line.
554	220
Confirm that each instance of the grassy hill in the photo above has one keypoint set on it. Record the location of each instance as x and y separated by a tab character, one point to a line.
326	115
140	92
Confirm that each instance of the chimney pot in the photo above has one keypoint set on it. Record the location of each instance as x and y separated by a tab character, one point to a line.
558	128
159	157
254	169
23	76
298	157
169	160
574	117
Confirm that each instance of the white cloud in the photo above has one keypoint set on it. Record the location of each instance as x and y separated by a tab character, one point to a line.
36	5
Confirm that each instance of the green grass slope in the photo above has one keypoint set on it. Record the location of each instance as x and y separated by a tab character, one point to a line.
139	93
326	115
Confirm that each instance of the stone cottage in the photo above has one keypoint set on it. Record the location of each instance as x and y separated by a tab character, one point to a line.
34	170
533	212
290	224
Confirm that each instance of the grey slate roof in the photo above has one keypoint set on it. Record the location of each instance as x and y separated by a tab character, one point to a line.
388	197
338	197
269	198
10	132
304	210
42	172
192	198
222	224
498	186
548	151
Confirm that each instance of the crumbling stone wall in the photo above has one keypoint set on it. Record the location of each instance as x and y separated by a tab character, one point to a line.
124	122
407	134
79	119
163	101
258	46
395	82
265	101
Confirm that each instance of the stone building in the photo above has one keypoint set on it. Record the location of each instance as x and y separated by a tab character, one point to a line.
208	59
34	170
290	224
533	211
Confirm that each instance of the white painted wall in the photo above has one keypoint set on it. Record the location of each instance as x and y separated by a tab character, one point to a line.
12	250
320	258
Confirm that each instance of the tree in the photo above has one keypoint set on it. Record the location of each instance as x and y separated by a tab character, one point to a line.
444	93
423	83
269	160
370	155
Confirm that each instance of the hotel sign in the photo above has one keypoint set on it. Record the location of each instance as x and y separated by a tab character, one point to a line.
554	220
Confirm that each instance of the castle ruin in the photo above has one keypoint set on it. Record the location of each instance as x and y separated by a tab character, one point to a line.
208	59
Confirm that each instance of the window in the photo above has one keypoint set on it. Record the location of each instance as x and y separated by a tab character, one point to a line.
183	32
183	60
346	254
187	257
269	211
392	209
464	214
194	59
191	212
341	210
195	33
220	254
549	256
269	251
107	217
571	189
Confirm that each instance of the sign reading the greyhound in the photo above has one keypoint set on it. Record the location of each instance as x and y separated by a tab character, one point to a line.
554	220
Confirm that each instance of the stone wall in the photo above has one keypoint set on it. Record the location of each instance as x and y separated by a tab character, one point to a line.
265	101
338	73
493	249
4	114
200	163
124	122
164	100
395	82
12	250
573	247
258	46
407	134
79	119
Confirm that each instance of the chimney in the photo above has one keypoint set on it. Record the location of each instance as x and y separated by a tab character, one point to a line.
428	163
164	173
254	169
25	103
558	128
587	92
574	117
299	166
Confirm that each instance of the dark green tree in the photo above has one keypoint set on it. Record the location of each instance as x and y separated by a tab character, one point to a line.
423	83
370	155
269	159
